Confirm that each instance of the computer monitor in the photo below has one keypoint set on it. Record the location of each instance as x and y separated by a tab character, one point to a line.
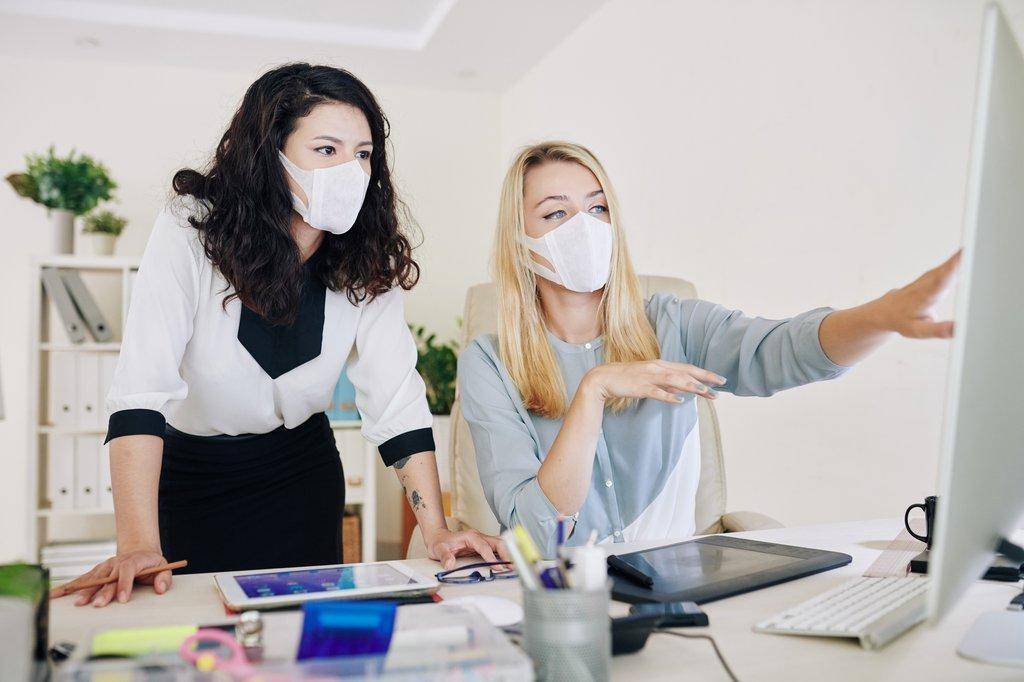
981	472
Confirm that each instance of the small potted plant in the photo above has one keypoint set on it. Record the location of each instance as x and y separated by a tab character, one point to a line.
68	186
102	228
437	363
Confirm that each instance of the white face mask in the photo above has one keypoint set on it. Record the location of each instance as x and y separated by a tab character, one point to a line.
581	251
335	194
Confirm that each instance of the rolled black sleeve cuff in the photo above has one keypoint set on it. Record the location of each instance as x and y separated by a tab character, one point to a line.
136	423
405	444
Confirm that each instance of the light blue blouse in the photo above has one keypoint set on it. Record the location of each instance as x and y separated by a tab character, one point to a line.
645	476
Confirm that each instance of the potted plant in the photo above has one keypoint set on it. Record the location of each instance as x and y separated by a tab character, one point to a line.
24	612
103	228
68	186
436	363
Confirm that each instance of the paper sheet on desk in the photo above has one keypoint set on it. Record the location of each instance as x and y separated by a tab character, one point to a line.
895	559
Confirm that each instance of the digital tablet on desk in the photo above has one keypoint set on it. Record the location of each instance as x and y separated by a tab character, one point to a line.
713	567
286	586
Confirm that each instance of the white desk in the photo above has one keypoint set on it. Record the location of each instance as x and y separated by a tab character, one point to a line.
923	653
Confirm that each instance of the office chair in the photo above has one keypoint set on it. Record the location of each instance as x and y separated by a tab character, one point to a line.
469	508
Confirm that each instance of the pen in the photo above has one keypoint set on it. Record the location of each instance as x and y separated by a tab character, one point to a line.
630	571
62	590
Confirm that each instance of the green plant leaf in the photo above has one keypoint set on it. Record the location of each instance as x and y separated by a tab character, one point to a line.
75	182
104	222
21	580
24	185
437	364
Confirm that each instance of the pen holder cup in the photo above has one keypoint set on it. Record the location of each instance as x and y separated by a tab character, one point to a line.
567	633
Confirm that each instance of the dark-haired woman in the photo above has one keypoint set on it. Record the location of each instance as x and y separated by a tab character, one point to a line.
269	273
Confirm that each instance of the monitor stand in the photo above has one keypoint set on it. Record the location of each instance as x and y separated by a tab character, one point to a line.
997	637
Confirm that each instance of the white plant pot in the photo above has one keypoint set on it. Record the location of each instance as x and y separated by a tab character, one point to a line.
442	441
62	231
100	243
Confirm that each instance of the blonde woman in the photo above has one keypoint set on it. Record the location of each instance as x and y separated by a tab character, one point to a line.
582	405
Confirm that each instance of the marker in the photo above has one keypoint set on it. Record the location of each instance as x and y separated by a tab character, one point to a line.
524	569
526	544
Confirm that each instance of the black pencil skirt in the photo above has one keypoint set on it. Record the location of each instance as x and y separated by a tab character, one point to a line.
232	503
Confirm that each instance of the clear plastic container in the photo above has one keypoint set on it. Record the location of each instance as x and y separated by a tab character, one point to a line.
432	642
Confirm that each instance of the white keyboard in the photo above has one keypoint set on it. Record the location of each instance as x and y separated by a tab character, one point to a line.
872	610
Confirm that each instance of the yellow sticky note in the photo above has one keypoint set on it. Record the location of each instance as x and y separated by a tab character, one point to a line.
140	641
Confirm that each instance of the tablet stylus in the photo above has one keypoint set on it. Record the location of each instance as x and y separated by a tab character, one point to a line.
630	571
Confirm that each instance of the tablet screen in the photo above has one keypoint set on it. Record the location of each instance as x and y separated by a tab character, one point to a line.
335	579
693	564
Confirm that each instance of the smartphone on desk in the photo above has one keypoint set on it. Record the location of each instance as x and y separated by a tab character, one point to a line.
673	614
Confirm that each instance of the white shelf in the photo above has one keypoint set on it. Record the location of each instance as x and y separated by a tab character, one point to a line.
53	513
346	424
92	347
70	431
88	262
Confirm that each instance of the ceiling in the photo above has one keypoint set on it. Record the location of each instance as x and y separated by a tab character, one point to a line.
464	44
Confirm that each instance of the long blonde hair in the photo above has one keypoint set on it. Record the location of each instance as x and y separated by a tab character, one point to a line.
522	335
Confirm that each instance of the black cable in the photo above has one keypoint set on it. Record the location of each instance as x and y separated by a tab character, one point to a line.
714	645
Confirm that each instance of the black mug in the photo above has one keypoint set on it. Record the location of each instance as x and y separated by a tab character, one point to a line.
928	507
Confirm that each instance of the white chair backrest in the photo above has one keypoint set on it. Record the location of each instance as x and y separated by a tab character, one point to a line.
469	506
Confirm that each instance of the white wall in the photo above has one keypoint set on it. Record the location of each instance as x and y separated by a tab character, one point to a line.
145	122
785	155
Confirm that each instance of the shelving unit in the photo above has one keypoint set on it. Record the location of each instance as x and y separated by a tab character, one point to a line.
47	338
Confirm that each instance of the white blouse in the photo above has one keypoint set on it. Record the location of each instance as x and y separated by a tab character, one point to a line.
206	369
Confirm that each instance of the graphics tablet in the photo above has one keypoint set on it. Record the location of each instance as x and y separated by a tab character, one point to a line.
716	567
286	586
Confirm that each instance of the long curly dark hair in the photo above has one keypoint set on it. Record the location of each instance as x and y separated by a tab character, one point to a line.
246	231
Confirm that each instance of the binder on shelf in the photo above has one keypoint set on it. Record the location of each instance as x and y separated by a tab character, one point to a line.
70	560
87	380
58	293
106	499
87	468
62	393
60	472
108	365
353	455
86	304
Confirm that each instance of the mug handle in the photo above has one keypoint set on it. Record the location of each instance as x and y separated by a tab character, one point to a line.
906	520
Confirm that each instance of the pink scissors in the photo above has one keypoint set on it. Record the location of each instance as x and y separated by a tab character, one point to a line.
236	663
205	660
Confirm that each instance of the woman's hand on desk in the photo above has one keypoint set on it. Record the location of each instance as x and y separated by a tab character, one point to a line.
124	566
658	379
444	545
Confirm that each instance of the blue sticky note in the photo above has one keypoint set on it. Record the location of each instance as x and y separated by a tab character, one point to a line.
346	628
